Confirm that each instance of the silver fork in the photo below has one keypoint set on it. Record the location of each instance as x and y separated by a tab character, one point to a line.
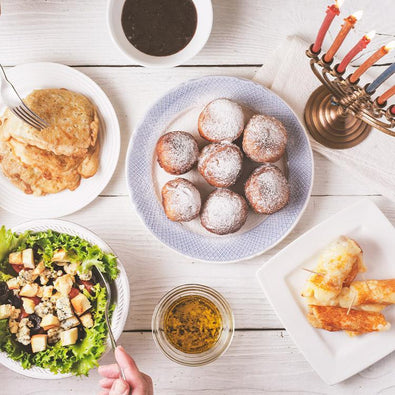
103	281
17	106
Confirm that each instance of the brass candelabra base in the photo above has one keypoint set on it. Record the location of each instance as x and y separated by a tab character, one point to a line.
330	124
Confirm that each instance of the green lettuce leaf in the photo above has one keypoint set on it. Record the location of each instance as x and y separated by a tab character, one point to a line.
78	250
5	276
15	350
9	242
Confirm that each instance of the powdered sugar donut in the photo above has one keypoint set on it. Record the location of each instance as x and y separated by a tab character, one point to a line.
264	139
224	212
220	164
177	152
181	200
221	120
267	189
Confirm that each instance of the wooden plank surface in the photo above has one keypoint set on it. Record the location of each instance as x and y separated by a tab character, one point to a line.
258	362
262	358
244	32
153	268
133	90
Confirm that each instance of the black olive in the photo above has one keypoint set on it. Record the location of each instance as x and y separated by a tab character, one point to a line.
36	321
81	333
57	267
4	292
15	300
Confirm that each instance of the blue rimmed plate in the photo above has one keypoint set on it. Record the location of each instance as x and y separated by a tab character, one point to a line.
179	110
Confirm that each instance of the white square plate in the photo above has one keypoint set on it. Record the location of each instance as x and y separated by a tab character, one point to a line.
334	355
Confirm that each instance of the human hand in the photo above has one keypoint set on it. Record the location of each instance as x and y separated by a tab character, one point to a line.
137	383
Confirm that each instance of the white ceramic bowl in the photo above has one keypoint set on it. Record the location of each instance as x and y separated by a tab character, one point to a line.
121	297
204	10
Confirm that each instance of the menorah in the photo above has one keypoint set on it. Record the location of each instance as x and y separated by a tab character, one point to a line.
341	113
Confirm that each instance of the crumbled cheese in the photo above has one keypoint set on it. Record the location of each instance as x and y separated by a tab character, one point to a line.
85	276
27	275
63	308
45	276
54	335
70	323
44	308
23	334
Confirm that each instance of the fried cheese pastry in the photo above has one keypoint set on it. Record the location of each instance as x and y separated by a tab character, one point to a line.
337	266
73	120
370	292
334	319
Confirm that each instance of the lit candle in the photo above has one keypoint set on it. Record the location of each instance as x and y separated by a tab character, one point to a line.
331	12
381	79
386	95
348	24
371	61
361	45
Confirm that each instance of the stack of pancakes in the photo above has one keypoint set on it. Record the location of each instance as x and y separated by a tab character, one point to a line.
55	158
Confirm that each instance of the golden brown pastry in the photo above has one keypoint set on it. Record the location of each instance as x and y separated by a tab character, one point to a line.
381	292
181	200
267	189
177	152
221	120
338	263
220	164
224	212
264	139
334	319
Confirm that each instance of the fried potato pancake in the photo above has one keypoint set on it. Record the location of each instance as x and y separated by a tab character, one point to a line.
73	120
32	180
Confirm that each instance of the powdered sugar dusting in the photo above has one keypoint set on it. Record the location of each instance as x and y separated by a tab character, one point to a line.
264	139
181	200
220	164
224	212
267	189
178	151
221	120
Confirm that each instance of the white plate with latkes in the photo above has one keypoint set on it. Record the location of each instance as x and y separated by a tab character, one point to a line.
121	296
28	77
179	109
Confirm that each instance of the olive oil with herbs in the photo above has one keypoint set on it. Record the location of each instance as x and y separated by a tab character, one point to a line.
193	324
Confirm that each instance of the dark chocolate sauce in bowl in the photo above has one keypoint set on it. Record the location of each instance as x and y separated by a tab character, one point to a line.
159	27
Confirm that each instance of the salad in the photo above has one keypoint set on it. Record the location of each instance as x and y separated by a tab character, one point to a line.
51	305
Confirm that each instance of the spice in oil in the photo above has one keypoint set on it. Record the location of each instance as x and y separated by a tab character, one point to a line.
193	324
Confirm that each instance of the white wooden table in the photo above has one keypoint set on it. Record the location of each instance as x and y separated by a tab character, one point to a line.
262	357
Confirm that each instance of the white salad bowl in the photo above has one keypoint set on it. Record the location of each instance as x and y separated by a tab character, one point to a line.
204	10
121	297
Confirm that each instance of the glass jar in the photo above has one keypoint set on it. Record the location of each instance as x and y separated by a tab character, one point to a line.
193	359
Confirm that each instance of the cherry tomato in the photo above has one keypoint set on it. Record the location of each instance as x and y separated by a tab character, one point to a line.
23	313
73	293
88	285
17	268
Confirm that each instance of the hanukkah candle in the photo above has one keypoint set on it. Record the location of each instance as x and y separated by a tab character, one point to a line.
341	113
